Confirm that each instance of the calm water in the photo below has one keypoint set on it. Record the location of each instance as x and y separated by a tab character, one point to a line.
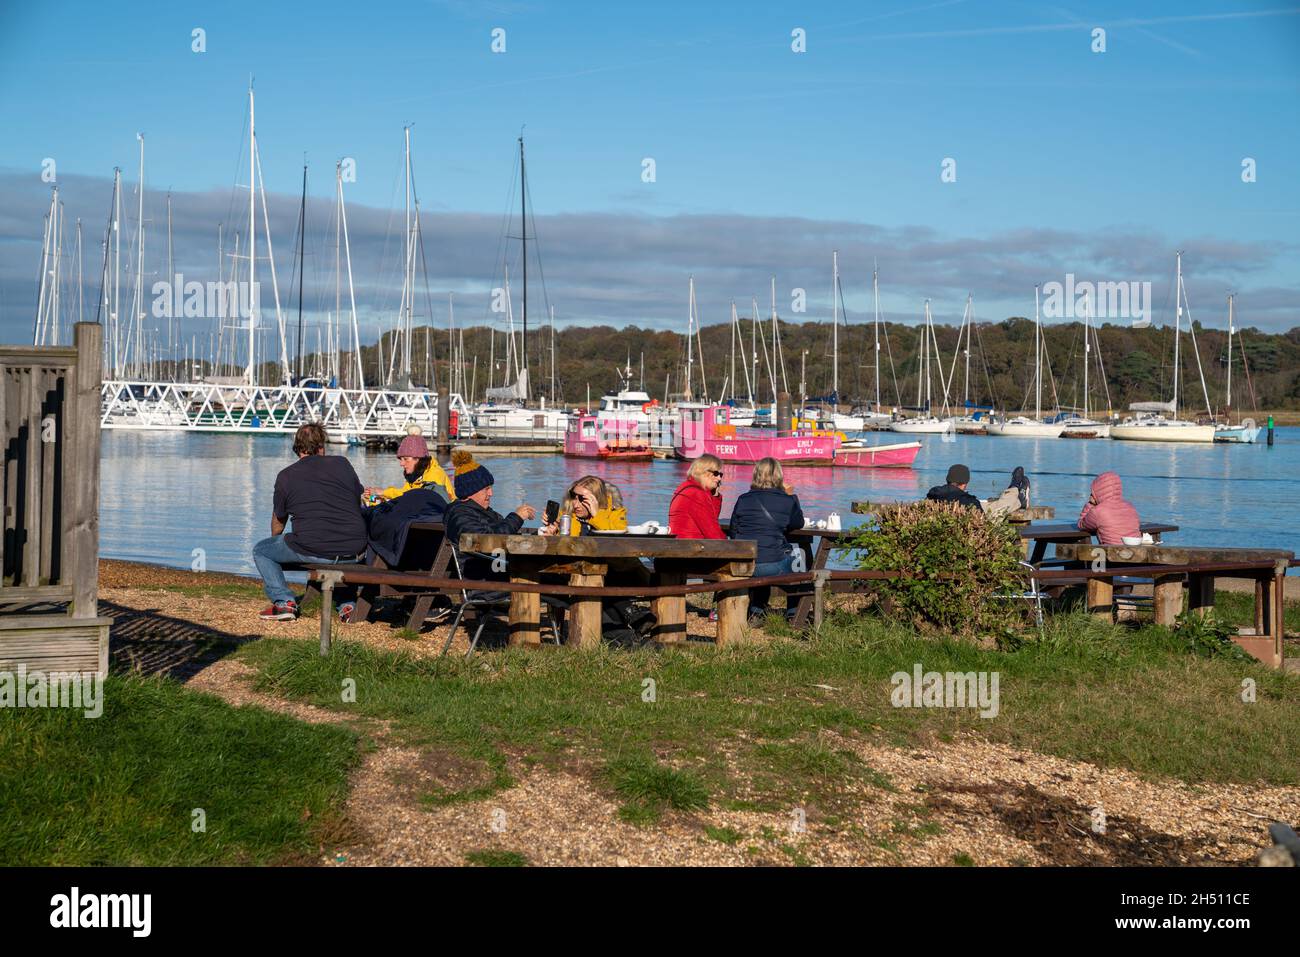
162	495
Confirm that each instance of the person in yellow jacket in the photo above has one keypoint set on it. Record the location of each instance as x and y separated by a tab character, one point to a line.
419	470
594	504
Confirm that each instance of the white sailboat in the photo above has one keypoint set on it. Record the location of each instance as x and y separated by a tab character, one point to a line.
966	424
927	422
1246	431
1080	425
1021	426
1151	424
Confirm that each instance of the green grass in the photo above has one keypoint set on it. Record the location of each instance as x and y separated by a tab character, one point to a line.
648	788
122	788
496	859
744	726
723	835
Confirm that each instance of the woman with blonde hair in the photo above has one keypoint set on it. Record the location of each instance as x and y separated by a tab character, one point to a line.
766	514
594	504
697	502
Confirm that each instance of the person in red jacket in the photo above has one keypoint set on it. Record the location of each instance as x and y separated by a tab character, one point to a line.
1107	513
697	502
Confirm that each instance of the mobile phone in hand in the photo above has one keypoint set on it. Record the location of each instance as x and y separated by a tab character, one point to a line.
552	512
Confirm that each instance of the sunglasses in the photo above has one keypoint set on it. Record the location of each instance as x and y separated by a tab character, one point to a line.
715	472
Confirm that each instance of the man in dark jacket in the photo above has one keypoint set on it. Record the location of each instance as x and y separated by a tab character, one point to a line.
471	513
322	495
955	489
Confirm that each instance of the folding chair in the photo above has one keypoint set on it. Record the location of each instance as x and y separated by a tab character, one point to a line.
484	605
1034	594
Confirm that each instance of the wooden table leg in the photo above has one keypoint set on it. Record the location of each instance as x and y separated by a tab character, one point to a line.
733	613
1168	599
423	602
1101	598
1261	605
1200	594
670	611
525	607
584	614
804	610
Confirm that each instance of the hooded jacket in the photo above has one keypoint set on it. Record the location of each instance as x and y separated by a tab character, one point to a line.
1112	518
433	476
694	511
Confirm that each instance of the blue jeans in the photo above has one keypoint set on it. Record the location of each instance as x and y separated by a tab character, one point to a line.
759	597
271	553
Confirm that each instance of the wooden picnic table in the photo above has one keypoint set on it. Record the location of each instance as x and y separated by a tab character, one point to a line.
587	559
1043	534
1264	640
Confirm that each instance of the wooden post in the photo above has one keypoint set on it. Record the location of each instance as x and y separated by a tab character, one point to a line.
1200	594
326	611
1279	611
733	613
1168	599
444	421
584	614
670	610
81	495
819	598
1101	598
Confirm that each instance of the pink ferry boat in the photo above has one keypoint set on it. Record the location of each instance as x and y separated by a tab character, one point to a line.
592	437
708	429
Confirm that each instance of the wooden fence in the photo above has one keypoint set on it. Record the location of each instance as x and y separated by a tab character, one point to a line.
49	410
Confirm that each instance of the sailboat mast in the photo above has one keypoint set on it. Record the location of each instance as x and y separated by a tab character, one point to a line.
1228	409
523	245
172	319
835	332
1038	360
139	261
252	240
690	338
1178	321
1087	349
302	235
875	298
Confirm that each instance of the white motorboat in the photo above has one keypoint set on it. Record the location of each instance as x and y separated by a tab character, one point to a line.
1082	427
921	423
1247	432
1021	426
969	425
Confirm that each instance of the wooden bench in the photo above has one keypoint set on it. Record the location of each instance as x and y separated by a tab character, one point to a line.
369	593
1266	567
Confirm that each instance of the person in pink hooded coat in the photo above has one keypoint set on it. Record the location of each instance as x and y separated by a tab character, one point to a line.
1107	513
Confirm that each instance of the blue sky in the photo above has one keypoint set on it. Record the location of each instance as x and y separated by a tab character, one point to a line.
1123	156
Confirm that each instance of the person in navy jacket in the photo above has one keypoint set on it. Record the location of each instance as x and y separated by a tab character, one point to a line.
764	515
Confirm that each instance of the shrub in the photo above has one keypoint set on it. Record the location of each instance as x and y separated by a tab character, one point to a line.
961	561
1208	636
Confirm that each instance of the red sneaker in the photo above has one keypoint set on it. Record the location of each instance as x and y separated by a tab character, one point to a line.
281	611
